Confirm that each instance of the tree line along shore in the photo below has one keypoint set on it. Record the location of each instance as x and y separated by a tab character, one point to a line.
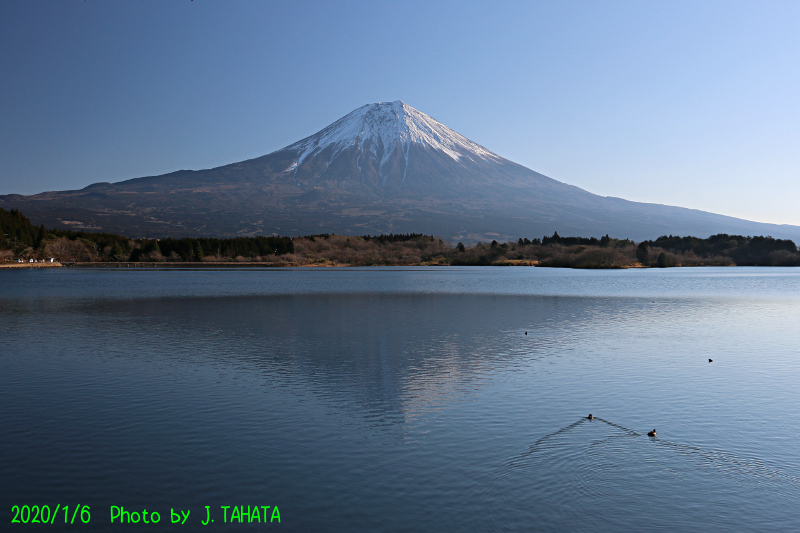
21	240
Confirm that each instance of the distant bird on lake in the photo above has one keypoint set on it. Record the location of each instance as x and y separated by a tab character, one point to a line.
526	333
651	433
710	360
590	417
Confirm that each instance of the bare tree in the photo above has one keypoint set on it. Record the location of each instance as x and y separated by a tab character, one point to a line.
65	249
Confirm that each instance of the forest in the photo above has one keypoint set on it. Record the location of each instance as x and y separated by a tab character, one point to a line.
19	239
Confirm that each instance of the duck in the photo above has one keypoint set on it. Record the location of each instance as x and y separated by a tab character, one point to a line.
710	360
590	417
651	433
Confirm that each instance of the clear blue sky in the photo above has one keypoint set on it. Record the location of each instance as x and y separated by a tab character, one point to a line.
691	103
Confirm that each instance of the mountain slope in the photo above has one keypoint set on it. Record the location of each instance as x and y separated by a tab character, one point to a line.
382	168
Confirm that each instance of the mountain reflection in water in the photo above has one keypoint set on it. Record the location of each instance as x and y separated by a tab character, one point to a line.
401	402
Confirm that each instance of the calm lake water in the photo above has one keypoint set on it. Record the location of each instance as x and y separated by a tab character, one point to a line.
405	399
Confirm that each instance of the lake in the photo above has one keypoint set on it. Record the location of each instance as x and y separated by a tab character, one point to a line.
404	399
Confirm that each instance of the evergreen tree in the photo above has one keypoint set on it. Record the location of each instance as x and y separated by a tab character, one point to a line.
152	246
116	252
643	254
40	236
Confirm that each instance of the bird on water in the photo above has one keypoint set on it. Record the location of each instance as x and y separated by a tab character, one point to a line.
590	417
710	360
651	433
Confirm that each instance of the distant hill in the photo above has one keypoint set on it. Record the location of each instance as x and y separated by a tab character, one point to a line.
383	168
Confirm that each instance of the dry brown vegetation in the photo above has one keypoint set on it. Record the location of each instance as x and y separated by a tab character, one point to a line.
341	250
21	240
66	249
614	254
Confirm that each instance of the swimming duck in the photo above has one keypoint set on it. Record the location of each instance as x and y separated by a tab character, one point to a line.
710	360
651	433
590	417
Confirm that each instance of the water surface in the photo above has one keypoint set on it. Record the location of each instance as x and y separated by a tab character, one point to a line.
399	399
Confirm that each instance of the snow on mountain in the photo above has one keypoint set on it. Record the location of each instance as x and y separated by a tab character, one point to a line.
383	168
378	129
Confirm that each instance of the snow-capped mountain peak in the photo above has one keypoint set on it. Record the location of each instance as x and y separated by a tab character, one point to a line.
380	128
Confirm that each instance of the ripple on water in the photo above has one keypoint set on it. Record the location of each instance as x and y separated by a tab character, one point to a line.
596	475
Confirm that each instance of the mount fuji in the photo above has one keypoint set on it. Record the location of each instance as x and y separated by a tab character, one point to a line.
383	168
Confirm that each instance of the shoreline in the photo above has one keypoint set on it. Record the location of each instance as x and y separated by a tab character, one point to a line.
327	264
253	264
32	265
